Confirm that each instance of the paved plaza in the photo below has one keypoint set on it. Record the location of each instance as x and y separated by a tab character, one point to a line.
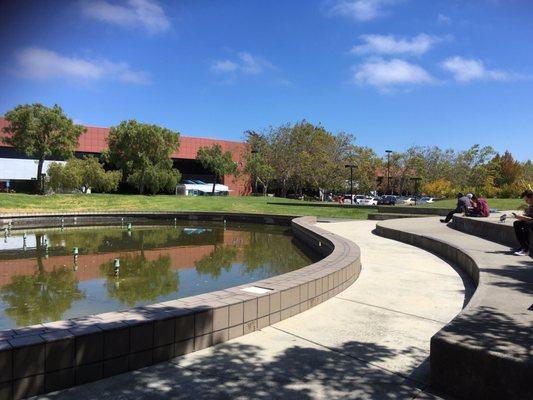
370	341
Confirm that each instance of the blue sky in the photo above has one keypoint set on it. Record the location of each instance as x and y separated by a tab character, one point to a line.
395	73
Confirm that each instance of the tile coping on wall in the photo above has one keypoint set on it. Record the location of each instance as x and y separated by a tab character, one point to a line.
52	356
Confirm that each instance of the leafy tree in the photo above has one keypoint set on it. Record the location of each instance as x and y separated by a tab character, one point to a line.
217	161
526	177
61	177
155	179
143	153
256	157
320	157
281	158
507	169
42	133
88	172
439	187
301	156
366	162
260	170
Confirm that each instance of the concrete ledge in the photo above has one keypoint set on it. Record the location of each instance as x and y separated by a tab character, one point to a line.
488	228
52	356
486	351
400	209
386	216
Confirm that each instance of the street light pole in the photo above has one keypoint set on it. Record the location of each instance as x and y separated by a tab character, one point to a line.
388	169
351	166
416	181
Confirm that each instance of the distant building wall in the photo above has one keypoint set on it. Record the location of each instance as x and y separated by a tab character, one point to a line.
93	141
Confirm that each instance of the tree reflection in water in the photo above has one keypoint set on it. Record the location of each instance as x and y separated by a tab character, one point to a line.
273	254
140	279
221	258
269	254
43	296
237	255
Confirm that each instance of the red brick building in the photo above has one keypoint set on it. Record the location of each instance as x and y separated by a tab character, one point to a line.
93	141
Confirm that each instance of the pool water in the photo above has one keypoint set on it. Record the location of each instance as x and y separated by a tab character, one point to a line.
41	280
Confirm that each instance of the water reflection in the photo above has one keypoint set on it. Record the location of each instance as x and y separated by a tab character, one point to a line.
140	279
221	258
43	296
44	281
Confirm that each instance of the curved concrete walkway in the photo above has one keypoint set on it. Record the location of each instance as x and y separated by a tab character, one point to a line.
369	342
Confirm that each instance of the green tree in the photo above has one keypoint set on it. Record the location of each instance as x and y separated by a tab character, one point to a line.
143	153
88	172
301	156
366	162
507	169
41	132
217	161
439	187
61	177
260	170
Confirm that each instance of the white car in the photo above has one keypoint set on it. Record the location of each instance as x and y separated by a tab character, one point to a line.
426	199
356	199
406	201
369	201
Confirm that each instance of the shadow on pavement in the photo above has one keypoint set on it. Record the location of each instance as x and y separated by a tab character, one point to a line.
242	371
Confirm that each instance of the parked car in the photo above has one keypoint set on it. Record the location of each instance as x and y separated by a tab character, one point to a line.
387	200
426	199
356	198
369	201
406	201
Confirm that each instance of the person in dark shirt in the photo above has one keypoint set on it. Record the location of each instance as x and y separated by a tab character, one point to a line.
463	203
523	227
480	207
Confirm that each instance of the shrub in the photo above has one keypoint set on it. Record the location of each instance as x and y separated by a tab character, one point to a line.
87	172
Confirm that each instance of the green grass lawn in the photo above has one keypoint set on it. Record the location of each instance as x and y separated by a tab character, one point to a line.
501	204
118	202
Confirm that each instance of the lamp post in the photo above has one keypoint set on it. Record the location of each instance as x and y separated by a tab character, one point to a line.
254	138
388	169
416	180
351	166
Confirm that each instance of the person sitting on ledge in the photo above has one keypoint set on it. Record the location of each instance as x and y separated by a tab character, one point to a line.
522	225
463	203
480	209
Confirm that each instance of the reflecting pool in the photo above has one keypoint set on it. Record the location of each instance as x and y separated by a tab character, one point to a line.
52	274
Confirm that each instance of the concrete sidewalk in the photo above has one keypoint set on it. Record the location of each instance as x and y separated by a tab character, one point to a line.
369	342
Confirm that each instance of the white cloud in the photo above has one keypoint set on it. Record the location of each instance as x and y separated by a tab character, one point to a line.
388	44
386	74
45	64
224	66
443	19
361	10
132	13
245	63
466	70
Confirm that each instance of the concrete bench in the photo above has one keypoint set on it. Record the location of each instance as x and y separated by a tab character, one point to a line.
486	351
489	228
